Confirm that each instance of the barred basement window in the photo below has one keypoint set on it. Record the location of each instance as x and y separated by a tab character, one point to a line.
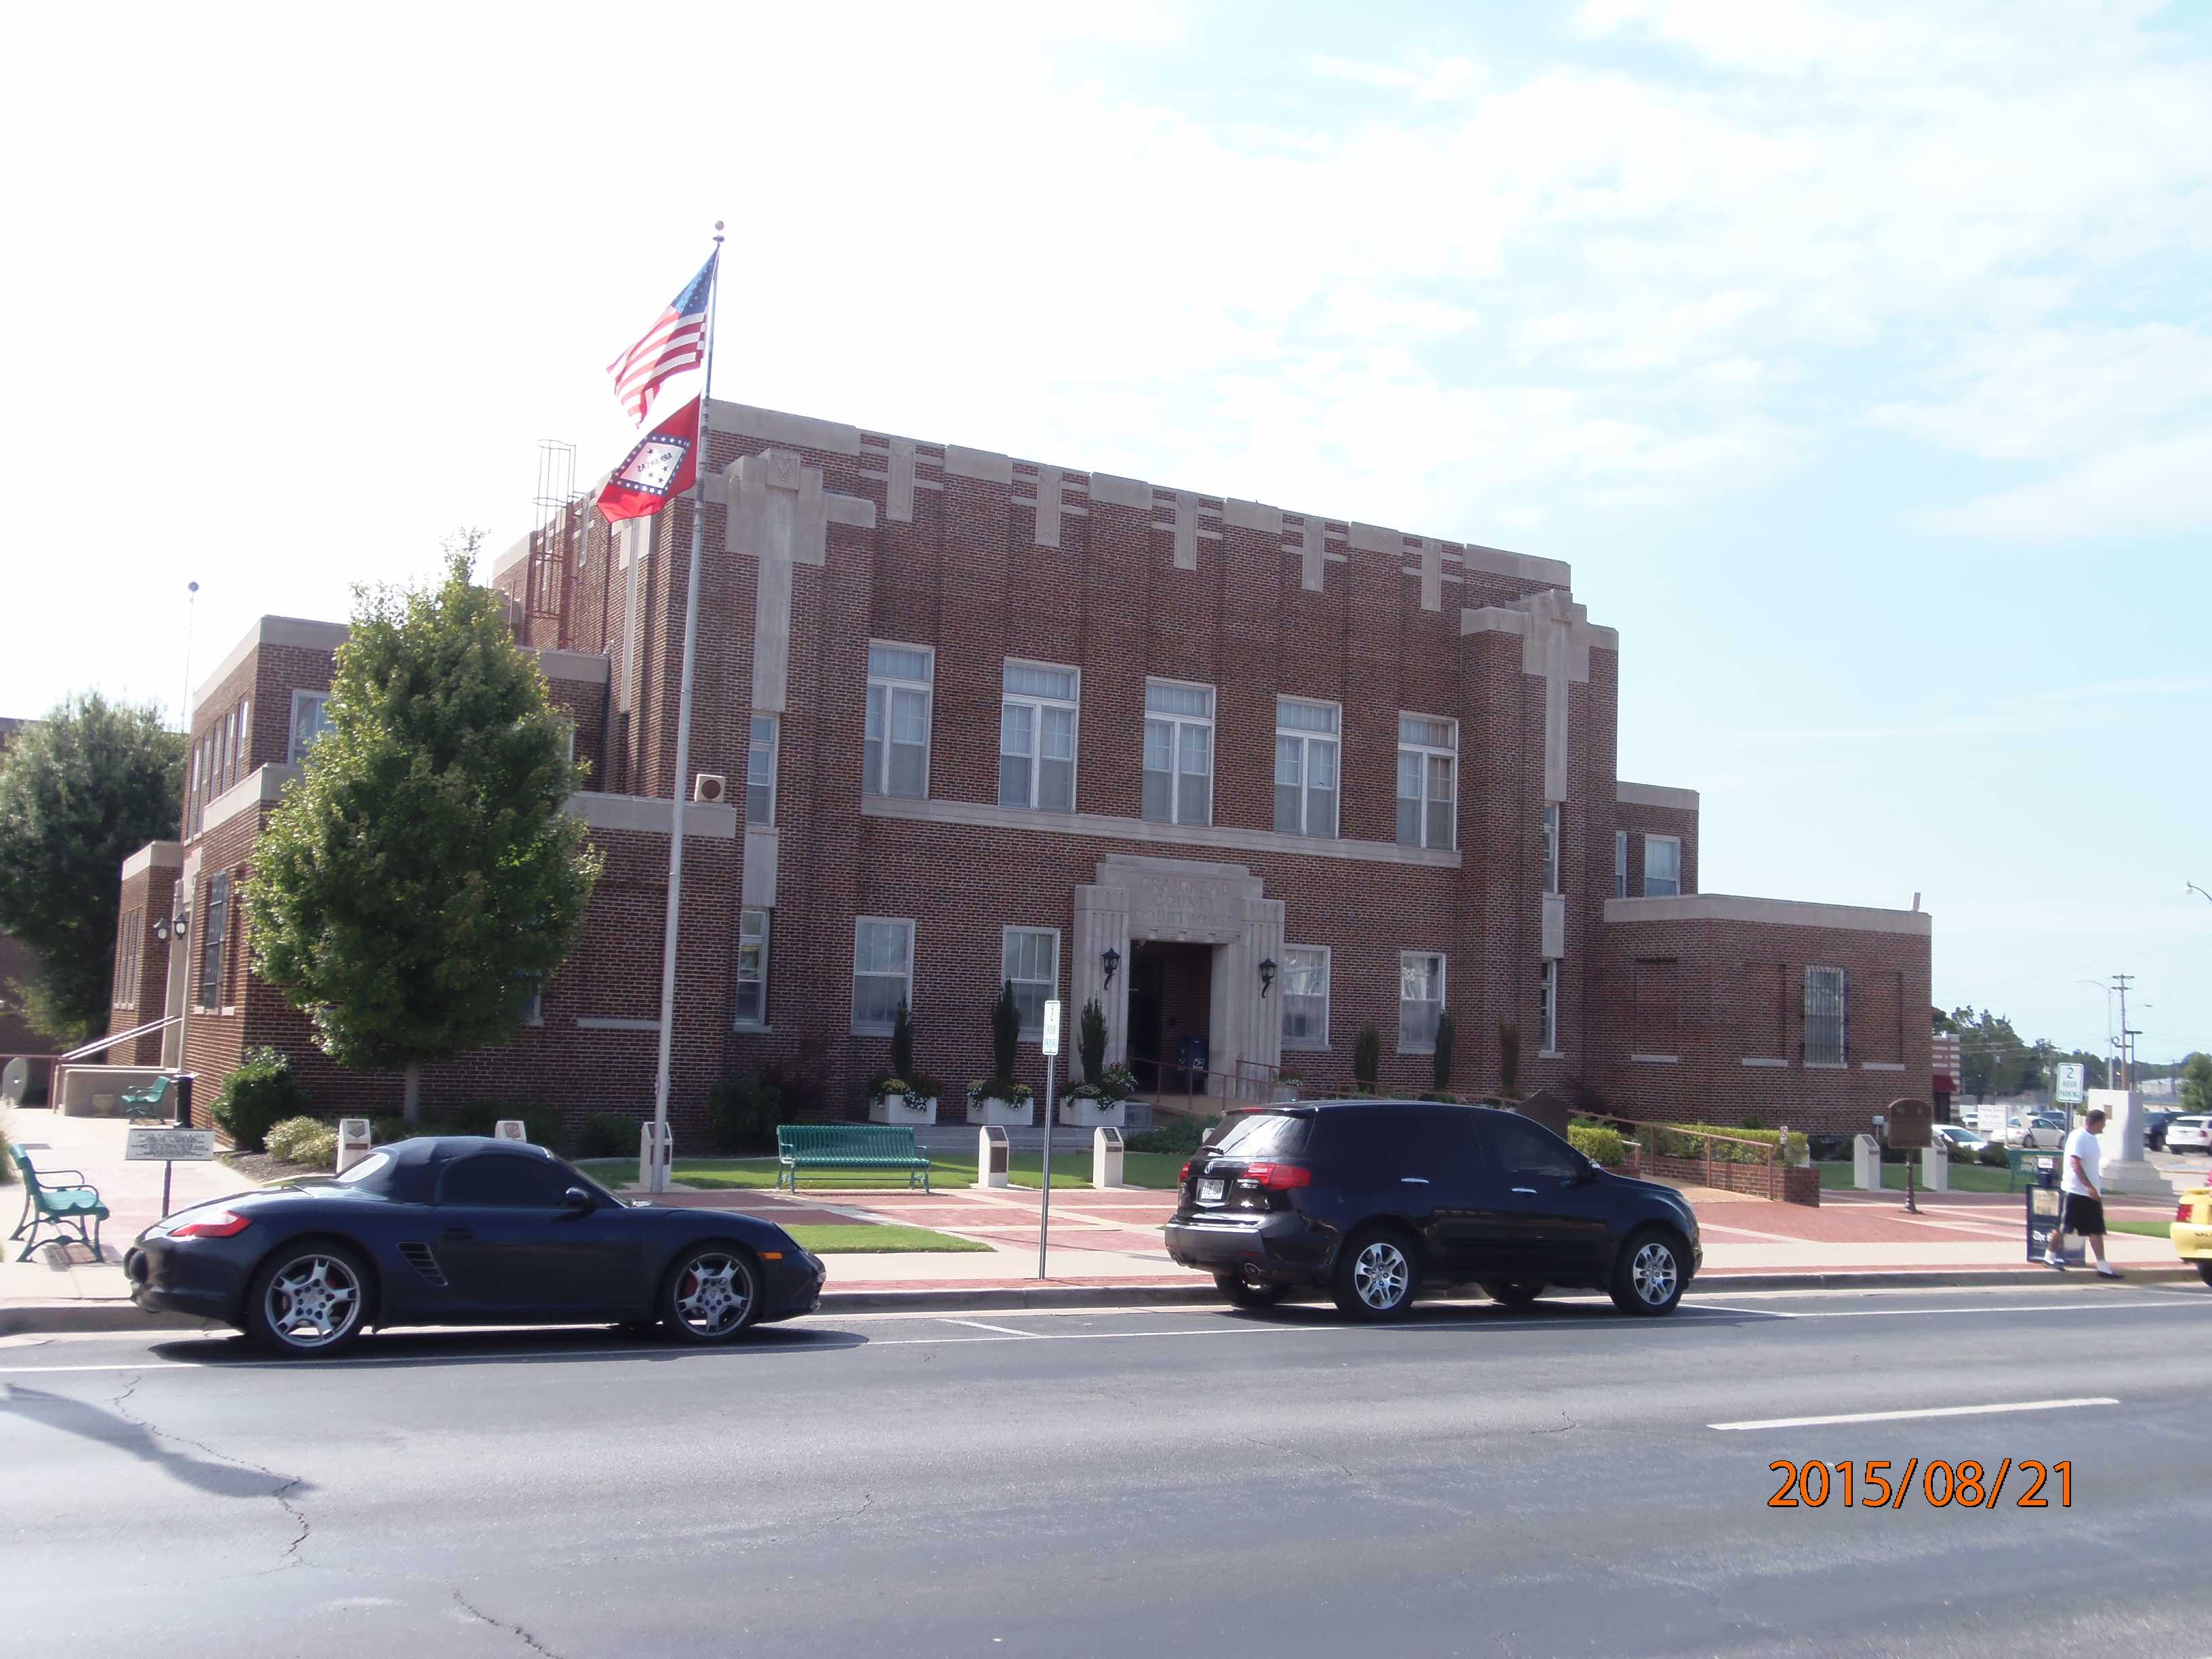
1305	766
1029	961
1305	996
1662	866
1178	752
760	771
752	967
1036	737
1428	772
1828	1009
896	745
883	972
1420	1000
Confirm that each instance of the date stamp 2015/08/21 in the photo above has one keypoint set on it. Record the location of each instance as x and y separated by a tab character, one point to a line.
1940	1484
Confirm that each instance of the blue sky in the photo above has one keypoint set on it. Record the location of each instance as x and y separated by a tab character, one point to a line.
1856	356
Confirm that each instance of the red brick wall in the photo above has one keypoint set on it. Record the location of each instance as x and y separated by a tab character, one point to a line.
148	897
1640	821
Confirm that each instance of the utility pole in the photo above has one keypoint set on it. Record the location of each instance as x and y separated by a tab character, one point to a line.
2120	985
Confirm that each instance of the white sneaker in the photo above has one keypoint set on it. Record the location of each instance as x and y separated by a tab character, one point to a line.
2050	1261
2110	1272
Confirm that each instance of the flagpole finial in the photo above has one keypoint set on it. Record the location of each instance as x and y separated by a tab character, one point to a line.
718	230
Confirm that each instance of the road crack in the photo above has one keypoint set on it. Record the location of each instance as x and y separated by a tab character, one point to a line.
516	1630
282	1492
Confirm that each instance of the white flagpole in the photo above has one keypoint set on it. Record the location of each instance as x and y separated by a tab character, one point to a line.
655	1179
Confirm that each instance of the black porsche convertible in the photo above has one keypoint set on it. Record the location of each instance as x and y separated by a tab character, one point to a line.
459	1229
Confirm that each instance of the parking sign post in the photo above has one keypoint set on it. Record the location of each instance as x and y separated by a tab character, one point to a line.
1051	1054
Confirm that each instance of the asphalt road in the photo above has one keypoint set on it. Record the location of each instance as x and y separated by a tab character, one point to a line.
1155	1483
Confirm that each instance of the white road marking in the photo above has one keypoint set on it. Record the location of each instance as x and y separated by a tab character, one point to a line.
1930	1411
1903	1312
977	1324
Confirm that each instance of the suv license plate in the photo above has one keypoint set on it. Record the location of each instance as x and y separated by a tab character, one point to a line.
1209	1192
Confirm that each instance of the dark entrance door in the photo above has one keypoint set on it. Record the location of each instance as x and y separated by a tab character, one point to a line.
1170	1011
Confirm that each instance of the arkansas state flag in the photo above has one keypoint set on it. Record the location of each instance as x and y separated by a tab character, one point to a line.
660	469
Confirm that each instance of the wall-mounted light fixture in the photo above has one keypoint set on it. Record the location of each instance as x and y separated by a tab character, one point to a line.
1266	974
161	928
1111	959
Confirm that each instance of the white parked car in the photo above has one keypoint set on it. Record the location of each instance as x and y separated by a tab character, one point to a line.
1960	1141
2189	1134
2045	1131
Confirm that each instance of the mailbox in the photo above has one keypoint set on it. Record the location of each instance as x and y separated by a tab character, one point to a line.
1912	1125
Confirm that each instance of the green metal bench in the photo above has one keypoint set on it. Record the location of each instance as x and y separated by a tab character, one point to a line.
149	1105
2022	1161
60	1207
848	1147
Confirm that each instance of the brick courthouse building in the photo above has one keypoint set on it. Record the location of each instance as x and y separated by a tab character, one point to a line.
1253	778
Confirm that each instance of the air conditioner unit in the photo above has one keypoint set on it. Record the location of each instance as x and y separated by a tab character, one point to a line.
709	787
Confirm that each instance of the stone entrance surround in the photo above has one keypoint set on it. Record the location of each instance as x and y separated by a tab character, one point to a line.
1190	900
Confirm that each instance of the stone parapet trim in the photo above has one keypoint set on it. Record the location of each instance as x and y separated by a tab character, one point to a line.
265	787
269	630
1768	913
155	855
591	667
1656	795
649	815
982	816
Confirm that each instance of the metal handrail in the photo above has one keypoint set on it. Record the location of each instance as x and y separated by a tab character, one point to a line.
94	1046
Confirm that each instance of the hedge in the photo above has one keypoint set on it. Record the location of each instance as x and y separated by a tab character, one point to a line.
1684	1142
261	1093
1599	1146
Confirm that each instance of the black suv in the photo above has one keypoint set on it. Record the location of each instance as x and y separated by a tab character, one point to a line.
1372	1201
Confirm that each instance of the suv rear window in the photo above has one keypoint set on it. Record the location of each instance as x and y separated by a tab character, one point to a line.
1266	1134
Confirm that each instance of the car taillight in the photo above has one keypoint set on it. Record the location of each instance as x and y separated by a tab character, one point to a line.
224	1224
1279	1177
1184	1176
2181	1211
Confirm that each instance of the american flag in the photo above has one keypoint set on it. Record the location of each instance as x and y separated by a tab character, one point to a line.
676	341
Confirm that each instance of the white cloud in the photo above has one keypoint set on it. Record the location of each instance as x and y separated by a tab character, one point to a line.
2149	486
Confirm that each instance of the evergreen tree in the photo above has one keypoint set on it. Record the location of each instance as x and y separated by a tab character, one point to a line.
79	792
424	877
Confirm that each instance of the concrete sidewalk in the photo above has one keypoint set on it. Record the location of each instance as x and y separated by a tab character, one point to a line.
1106	1246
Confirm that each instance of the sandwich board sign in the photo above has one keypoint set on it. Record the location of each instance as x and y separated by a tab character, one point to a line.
2072	1077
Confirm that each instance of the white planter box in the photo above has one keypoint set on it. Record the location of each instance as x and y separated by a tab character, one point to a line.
1082	1112
902	1108
1004	1113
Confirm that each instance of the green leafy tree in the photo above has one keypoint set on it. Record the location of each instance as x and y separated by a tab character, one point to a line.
423	876
2196	1082
79	792
1990	1052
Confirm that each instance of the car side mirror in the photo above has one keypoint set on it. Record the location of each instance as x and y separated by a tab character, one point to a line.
577	1201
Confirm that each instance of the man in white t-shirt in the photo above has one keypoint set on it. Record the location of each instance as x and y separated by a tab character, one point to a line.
2081	1201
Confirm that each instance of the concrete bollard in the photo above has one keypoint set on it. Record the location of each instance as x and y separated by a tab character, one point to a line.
1866	1163
991	1159
1106	1158
509	1128
1935	1168
353	1142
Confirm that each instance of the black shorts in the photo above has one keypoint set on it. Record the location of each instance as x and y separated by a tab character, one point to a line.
2084	1215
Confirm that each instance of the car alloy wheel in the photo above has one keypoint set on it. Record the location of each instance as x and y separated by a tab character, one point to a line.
1654	1273
1649	1279
1376	1274
712	1294
310	1303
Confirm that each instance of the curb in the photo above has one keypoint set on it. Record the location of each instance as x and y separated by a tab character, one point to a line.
39	1318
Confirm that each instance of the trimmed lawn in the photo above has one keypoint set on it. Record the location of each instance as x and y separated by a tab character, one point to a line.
1965	1177
859	1237
1157	1170
2143	1229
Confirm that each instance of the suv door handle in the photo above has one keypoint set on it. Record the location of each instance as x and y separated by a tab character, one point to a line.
1531	1191
1413	1181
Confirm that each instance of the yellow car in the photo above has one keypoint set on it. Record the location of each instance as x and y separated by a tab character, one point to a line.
2192	1230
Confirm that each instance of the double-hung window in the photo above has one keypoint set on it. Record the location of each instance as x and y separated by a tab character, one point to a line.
1178	752
215	936
883	972
752	967
244	737
1036	737
1305	766
1428	772
1662	866
1621	864
760	771
126	959
1827	1016
1547	1015
1550	849
898	738
310	719
1420	1000
1305	996
1029	962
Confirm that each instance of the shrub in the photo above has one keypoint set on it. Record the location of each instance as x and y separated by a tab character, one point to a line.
387	1127
902	1042
1447	1034
1181	1135
1993	1154
283	1140
1685	1143
1118	1081
317	1150
1006	1032
744	1111
1367	1057
607	1134
1599	1146
1090	1043
261	1092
